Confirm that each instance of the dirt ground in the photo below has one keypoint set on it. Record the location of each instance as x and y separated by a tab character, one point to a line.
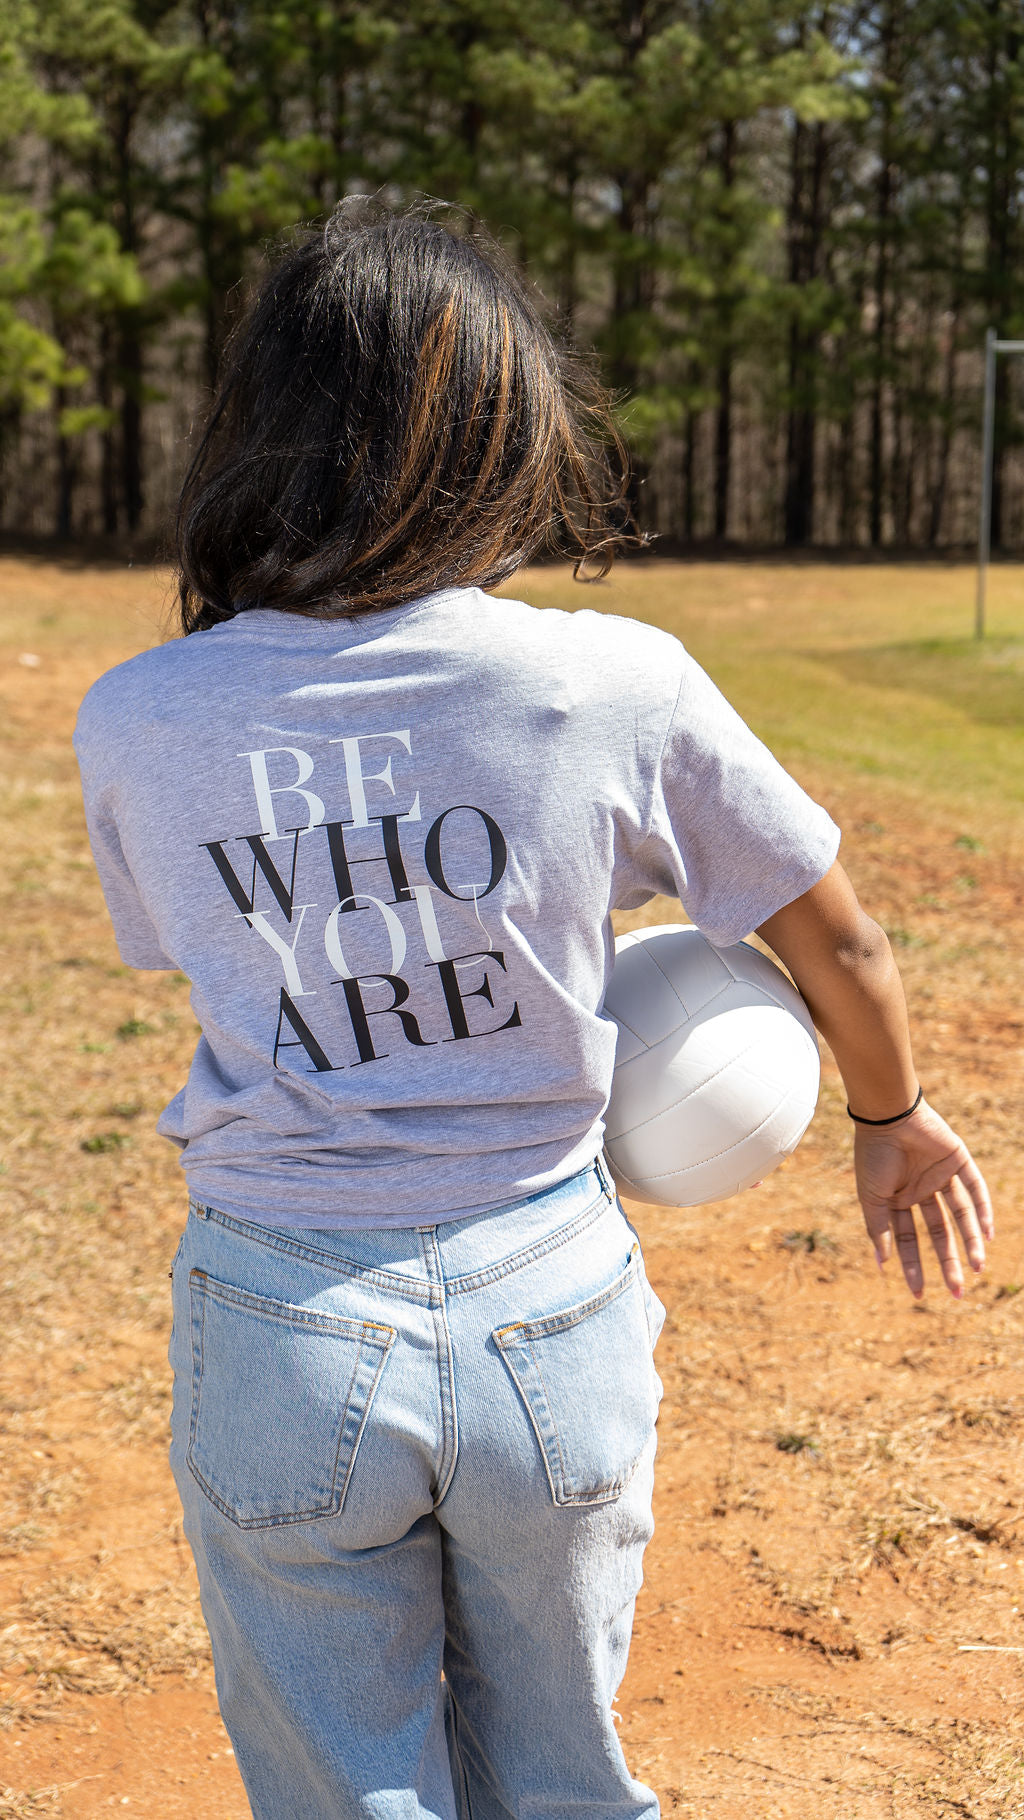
833	1617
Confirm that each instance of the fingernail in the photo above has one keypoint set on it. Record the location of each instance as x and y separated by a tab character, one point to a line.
880	1260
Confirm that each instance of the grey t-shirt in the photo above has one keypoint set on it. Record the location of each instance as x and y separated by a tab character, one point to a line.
384	852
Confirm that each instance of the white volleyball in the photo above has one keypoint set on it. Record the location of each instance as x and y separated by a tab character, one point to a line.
716	1067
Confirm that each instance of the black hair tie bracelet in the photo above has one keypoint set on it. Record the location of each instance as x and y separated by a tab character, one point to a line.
898	1120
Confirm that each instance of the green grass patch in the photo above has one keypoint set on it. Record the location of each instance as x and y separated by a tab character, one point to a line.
104	1142
796	1443
810	1242
133	1027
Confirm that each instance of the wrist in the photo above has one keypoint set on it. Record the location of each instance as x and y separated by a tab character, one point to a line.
896	1118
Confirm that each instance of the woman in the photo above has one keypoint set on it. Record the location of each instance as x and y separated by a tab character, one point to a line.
380	819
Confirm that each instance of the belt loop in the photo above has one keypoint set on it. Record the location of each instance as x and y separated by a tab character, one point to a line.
604	1178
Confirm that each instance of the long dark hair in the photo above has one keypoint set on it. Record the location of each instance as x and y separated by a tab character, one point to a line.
395	418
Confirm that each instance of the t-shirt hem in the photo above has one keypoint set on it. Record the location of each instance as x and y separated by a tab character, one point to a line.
242	1196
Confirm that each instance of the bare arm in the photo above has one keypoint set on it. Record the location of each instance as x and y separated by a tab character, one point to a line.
843	964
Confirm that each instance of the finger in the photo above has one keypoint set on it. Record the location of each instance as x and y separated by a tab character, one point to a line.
962	1209
940	1231
876	1219
905	1234
957	1161
974	1182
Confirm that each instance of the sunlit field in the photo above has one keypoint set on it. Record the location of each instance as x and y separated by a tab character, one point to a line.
831	1624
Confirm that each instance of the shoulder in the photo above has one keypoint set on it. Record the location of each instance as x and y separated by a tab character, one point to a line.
606	654
139	690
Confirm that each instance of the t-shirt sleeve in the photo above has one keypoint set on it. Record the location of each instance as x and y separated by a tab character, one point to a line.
137	940
730	833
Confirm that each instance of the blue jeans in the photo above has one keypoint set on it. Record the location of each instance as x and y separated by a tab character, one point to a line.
416	1467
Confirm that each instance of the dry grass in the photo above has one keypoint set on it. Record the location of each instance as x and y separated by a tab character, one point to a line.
90	1637
26	1804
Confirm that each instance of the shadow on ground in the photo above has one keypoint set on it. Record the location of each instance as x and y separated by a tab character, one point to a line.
982	680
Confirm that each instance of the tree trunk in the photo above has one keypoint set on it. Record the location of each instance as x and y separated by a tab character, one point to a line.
131	362
847	518
632	278
63	516
937	502
876	464
1005	157
206	227
689	473
806	233
130	347
898	467
108	448
940	483
568	286
885	189
723	445
724	374
10	428
339	121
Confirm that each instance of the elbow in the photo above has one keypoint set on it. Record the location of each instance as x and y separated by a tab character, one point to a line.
863	947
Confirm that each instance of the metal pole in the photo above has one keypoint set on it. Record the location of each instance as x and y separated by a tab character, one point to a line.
987	440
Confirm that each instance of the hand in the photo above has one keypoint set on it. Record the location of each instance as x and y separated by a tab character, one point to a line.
922	1163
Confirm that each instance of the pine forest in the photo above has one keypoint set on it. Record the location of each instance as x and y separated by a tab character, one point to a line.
781	228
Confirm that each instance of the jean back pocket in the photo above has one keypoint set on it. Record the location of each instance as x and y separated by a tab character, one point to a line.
587	1379
280	1395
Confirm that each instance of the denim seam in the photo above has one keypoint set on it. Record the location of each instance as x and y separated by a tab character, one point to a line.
197	1364
518	1260
291	1312
445	1367
449	1406
323	1260
338	1498
563	1483
565	1318
370	1395
607	1495
601	1171
462	1793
